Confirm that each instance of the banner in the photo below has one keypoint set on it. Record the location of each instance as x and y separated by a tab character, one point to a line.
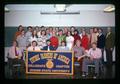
49	62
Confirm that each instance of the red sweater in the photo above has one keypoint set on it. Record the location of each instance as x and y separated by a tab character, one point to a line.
76	37
85	41
54	41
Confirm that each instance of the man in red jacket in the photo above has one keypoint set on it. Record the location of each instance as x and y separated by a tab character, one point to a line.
54	40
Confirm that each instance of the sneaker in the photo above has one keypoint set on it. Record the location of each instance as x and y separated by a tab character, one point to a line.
83	75
94	77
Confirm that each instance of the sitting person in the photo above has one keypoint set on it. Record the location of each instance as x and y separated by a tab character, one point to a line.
48	47
63	47
79	51
15	55
33	46
94	58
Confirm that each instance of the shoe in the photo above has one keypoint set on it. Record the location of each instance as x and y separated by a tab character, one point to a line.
83	74
94	77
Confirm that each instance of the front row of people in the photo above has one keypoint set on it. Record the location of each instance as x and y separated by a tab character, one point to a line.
93	55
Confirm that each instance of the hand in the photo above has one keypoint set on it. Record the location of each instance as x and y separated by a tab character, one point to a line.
91	58
79	58
111	49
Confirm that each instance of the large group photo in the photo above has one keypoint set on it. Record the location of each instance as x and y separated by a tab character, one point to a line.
59	41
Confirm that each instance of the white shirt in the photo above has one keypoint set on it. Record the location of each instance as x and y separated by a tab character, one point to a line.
12	52
69	41
95	53
31	48
62	48
32	39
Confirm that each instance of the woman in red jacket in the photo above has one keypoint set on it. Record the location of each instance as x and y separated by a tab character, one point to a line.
85	40
54	40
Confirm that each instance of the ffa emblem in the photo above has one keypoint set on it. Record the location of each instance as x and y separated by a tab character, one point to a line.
49	63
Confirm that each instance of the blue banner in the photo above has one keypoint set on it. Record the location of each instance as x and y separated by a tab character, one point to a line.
52	62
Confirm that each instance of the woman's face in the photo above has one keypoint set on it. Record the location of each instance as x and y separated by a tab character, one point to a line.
23	32
63	44
78	43
14	43
68	33
83	32
95	29
34	32
43	32
75	32
60	32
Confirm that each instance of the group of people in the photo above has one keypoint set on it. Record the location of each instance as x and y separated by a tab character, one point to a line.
90	44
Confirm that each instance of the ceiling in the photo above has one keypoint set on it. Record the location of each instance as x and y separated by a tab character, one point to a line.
51	7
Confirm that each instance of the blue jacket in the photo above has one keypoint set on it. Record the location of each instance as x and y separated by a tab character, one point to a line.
101	41
46	48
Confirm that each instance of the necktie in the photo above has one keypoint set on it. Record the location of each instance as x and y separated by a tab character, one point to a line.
16	54
33	48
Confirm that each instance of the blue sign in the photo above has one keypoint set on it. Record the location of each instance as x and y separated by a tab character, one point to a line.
49	62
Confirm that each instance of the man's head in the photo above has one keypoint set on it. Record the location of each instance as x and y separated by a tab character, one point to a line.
60	32
100	30
94	45
78	43
63	43
108	29
29	28
95	30
48	42
15	43
34	43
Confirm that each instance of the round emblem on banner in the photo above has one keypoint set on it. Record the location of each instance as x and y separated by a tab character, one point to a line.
49	63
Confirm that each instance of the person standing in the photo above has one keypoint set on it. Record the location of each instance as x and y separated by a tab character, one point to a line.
34	36
61	37
94	35
69	40
76	36
28	34
15	55
42	39
101	41
109	45
85	40
22	41
20	28
54	40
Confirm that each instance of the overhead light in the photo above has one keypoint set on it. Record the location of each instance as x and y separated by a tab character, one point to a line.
60	7
109	8
6	9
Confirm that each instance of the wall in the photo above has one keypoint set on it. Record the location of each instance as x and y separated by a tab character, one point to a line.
33	18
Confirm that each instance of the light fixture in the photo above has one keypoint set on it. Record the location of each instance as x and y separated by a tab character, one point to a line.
109	8
6	9
60	7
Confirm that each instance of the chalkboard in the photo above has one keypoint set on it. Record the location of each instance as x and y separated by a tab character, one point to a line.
10	32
